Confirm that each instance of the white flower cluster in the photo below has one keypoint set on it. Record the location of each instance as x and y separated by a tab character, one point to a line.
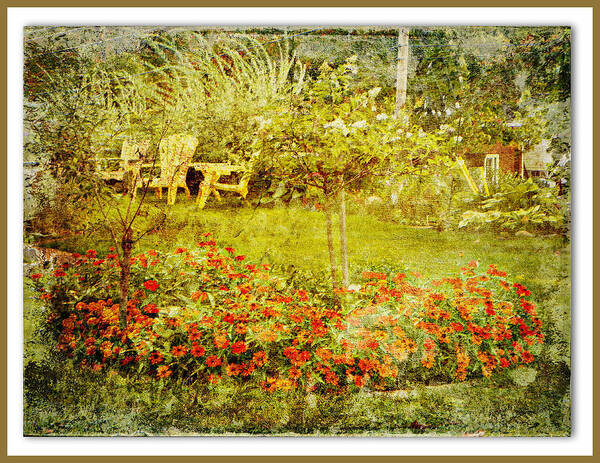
337	124
359	125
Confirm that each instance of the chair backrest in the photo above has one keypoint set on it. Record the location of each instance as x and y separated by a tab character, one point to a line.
176	152
132	150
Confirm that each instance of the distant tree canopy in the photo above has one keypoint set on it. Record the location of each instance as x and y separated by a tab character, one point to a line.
471	80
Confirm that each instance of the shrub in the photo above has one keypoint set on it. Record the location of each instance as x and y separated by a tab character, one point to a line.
520	205
204	316
475	322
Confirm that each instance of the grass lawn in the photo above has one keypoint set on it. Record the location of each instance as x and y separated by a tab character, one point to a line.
294	240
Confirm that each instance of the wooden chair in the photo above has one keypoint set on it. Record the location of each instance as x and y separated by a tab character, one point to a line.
132	153
175	153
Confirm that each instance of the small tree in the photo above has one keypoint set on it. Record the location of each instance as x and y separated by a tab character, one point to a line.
331	140
77	111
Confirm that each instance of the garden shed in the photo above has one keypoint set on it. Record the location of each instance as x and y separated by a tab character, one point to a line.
498	156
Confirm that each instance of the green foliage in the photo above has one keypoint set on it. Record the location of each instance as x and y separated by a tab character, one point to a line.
519	205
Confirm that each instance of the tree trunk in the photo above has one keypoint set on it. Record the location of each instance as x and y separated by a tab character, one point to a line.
126	246
332	263
343	240
401	70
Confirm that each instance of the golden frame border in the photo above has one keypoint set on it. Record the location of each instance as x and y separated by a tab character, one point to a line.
5	4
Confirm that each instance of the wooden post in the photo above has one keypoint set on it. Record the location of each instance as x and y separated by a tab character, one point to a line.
401	70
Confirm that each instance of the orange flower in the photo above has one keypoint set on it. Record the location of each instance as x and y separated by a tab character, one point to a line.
197	350
194	334
163	372
213	361
428	361
527	357
239	347
179	351
259	358
247	369
233	369
221	342
324	354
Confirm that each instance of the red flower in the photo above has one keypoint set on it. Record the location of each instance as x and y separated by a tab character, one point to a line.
213	361
60	273
151	285
239	347
456	326
302	295
359	381
151	308
492	270
294	373
36	276
194	334
180	250
374	276
230	250
527	357
240	258
364	364
489	308
429	344
521	290
197	350
156	357
179	351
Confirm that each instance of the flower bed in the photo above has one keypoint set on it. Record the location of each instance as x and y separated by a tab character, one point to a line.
204	315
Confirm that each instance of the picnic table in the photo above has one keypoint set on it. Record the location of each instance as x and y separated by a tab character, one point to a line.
212	172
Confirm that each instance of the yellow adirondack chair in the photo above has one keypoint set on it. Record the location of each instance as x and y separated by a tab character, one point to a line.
132	153
175	153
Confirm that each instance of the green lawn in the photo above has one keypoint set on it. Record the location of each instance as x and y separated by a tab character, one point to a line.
61	400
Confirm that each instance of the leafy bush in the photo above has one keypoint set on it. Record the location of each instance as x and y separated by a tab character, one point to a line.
206	316
519	205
